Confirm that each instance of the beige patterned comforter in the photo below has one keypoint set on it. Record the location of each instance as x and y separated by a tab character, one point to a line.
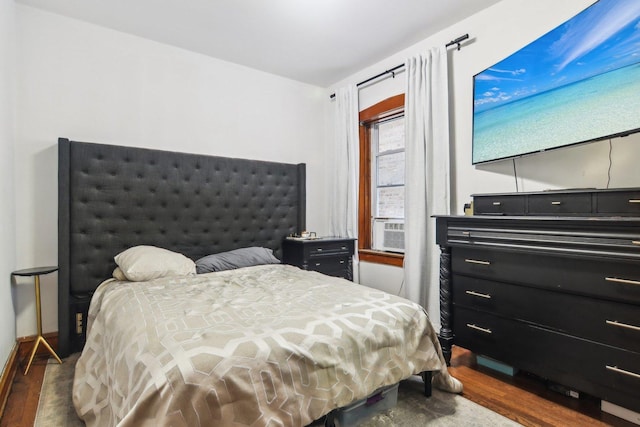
268	345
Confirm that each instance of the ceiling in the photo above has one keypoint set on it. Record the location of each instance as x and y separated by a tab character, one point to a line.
319	42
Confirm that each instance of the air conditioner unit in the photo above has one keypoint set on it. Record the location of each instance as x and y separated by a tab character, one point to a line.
388	235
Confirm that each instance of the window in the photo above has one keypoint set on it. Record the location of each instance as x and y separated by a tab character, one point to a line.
387	146
381	192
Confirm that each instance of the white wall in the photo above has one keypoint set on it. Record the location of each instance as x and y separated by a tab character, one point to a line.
494	34
92	84
7	212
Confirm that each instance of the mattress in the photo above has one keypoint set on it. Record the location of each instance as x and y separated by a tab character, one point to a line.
268	345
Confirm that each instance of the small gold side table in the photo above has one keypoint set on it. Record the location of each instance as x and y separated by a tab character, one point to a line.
36	272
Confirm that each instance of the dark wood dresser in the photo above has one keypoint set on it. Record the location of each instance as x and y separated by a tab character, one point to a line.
548	283
328	255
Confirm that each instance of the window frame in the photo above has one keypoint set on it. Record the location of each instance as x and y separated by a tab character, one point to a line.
387	108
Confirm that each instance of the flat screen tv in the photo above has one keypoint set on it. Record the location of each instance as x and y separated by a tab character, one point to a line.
578	83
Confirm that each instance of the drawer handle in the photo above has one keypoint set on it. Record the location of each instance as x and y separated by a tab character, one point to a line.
622	325
626	281
635	242
344	248
478	328
478	294
475	261
634	201
622	371
341	261
466	233
497	203
556	203
318	249
317	264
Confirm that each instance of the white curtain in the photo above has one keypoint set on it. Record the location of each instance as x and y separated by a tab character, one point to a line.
343	168
427	187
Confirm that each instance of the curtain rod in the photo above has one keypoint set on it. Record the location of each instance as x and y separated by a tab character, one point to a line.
392	70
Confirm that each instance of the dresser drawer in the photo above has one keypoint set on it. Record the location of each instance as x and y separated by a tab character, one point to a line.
486	334
606	372
499	205
332	248
332	266
607	322
559	204
586	202
625	203
612	279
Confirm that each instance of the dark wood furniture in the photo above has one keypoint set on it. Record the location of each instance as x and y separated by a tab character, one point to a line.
578	202
328	255
557	295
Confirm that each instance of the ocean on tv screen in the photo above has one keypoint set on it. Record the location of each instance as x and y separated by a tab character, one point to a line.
577	83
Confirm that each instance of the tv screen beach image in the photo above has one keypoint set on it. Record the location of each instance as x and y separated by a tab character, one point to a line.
579	82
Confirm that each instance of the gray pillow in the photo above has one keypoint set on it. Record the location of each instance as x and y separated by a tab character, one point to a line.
244	257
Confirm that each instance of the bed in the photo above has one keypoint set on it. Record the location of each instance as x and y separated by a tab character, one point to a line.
260	345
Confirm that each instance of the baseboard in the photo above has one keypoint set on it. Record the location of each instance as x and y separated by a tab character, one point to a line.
6	380
620	412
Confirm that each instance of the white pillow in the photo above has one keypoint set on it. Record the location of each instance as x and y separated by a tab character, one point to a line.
141	263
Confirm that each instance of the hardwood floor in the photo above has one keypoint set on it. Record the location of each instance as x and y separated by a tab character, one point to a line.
22	402
522	398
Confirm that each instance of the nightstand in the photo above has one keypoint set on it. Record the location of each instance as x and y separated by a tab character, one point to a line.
328	255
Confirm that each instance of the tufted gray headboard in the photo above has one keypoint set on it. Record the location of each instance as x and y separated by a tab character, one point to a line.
111	198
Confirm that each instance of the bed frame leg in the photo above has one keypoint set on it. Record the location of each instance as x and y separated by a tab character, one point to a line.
330	419
426	377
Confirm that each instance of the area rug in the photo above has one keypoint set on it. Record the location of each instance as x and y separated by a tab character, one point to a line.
413	409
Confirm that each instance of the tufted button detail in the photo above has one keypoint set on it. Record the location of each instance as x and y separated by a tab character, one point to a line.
192	204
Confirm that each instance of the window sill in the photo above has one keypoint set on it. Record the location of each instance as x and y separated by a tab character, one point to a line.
379	257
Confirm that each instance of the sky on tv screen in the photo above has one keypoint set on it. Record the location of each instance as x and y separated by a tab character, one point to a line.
579	82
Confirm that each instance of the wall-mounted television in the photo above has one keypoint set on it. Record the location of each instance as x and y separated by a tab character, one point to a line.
578	83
